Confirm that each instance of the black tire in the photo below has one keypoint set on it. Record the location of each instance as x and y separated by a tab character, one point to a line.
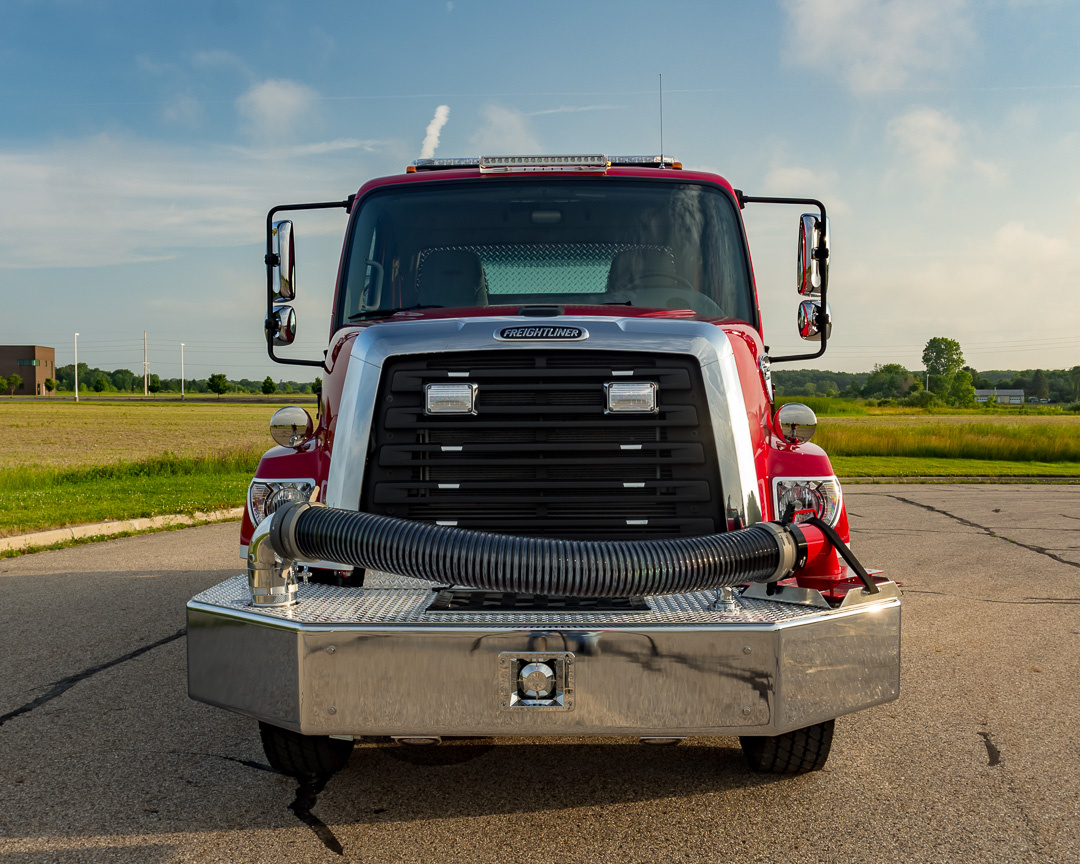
303	755
794	752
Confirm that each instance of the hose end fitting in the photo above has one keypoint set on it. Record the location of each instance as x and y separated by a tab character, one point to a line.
792	551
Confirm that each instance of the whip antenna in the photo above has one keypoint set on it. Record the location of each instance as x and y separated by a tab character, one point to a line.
661	119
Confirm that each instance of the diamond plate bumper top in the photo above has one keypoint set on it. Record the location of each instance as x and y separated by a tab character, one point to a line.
374	661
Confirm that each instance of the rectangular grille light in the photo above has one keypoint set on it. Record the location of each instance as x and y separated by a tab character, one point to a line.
449	398
631	397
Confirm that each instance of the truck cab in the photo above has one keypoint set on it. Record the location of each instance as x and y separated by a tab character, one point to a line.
547	490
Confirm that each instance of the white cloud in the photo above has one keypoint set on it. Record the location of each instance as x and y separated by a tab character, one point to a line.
930	139
876	44
505	131
434	128
185	110
108	200
278	109
931	143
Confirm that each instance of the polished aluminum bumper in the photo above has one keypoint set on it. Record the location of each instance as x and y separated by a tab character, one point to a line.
373	661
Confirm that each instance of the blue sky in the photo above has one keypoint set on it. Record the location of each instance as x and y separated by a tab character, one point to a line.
141	145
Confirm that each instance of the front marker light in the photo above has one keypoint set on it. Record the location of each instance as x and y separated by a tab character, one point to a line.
631	397
822	495
450	398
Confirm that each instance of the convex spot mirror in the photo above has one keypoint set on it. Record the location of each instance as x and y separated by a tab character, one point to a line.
281	324
795	423
291	426
285	269
813	265
813	318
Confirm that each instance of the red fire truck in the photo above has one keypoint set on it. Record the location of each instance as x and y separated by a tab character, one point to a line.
547	490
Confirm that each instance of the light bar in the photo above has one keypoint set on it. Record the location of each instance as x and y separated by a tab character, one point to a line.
443	164
449	398
631	397
645	161
516	164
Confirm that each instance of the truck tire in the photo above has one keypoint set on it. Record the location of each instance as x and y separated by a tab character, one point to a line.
303	755
795	752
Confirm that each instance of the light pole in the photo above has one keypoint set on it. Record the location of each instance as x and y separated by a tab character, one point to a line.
181	370
76	367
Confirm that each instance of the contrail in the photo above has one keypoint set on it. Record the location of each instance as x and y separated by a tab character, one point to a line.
431	137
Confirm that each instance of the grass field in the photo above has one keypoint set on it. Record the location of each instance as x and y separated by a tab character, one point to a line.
68	464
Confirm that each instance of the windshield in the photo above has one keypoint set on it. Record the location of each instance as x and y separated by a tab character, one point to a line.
659	245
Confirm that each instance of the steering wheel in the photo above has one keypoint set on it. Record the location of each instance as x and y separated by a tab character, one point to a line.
681	294
648	275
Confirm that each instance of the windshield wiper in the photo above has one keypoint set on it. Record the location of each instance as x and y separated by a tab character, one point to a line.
383	313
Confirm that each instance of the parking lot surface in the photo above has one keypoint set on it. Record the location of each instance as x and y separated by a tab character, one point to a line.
104	758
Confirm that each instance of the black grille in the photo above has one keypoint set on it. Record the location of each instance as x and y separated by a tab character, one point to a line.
541	456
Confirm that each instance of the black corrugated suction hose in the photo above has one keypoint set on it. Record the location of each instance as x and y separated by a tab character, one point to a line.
535	565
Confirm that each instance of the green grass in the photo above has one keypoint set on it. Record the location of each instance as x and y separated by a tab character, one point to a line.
826	406
37	499
1038	441
907	466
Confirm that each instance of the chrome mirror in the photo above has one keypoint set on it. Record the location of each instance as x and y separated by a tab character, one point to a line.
813	318
291	426
795	423
285	280
281	324
813	265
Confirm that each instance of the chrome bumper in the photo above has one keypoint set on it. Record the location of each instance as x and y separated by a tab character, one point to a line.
373	661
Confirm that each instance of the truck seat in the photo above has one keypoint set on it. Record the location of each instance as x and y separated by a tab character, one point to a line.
641	268
451	277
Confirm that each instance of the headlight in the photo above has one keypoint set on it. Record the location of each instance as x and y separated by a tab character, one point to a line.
820	494
266	496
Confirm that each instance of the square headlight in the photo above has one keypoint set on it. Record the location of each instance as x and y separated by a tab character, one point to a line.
449	398
631	397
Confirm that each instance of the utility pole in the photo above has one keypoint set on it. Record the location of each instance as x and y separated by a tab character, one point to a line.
76	367
181	370
145	368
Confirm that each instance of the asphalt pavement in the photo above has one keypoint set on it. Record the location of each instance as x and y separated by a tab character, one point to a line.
104	758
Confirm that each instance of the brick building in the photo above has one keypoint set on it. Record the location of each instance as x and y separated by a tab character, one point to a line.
32	363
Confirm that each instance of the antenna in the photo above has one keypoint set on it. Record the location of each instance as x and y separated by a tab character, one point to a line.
661	119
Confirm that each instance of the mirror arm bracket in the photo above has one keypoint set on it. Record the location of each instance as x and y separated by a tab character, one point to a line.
272	260
819	253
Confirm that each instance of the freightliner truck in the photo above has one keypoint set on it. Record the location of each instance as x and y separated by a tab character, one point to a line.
548	490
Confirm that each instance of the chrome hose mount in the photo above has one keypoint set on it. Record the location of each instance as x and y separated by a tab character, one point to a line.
539	565
271	579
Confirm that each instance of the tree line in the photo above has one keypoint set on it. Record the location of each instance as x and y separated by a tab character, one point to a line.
945	380
94	380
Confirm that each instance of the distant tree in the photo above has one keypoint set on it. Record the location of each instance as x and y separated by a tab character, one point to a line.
122	379
961	391
316	385
943	357
154	384
268	385
100	384
218	383
1040	386
888	381
50	386
1074	379
12	383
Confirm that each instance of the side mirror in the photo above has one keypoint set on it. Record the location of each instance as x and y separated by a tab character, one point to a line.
285	268
281	324
813	272
813	319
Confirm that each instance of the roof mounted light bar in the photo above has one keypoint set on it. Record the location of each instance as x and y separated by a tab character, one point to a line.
595	163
